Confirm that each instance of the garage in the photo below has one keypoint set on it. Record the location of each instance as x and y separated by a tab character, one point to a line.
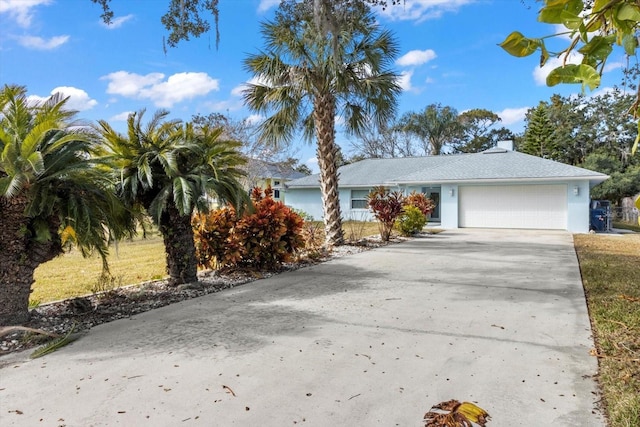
513	206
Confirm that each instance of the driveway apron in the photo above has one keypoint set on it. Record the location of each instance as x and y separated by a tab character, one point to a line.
495	317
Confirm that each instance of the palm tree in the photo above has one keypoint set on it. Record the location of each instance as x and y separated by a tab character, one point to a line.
51	195
308	79
168	169
435	126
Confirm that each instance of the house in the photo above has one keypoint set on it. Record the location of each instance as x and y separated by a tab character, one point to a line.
270	174
497	188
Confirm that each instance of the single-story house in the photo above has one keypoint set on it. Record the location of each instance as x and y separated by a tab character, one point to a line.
497	188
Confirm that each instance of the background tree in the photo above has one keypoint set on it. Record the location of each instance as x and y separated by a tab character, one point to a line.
538	134
308	79
382	142
51	195
434	127
477	133
594	27
168	170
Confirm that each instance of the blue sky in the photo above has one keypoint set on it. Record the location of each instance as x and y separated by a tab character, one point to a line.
448	55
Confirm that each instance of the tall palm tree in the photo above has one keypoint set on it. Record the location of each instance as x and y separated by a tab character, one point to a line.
307	79
435	126
168	169
51	195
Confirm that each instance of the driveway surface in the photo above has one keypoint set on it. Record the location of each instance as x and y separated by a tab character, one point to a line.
494	317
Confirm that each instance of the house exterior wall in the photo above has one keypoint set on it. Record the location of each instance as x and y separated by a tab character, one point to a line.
310	201
578	206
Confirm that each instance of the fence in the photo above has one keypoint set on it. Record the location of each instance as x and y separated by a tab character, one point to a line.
625	214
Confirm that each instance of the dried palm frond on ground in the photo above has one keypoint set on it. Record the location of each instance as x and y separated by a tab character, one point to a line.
452	413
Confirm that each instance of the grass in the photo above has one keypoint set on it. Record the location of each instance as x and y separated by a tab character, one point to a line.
71	275
611	278
626	226
135	261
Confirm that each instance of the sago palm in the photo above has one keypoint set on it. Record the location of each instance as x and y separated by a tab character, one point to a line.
51	194
167	169
306	80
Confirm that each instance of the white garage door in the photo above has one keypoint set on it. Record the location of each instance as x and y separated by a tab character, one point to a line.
513	206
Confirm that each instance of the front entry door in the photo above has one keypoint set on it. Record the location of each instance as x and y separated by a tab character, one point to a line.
434	194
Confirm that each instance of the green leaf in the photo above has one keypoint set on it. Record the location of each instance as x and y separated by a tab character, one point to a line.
599	4
517	44
598	48
561	12
572	73
628	12
630	43
571	20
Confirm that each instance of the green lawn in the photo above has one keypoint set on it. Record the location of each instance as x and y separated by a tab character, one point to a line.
610	267
71	275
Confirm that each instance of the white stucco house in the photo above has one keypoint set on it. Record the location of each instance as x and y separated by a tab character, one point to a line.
498	188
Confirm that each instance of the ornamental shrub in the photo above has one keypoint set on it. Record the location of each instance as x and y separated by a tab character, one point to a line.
387	207
212	236
420	201
411	221
267	237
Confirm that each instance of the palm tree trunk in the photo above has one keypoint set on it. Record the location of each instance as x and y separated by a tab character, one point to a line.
20	255
323	119
177	235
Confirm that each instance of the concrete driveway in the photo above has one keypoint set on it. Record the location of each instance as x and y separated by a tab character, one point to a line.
491	316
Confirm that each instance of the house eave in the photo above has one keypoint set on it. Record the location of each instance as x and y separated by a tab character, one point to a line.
591	179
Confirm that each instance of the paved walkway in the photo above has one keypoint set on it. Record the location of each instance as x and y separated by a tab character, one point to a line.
376	338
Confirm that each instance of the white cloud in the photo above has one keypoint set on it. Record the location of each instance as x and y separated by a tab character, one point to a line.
512	115
610	66
422	10
21	10
121	117
254	119
163	93
78	99
540	73
267	4
416	57
405	80
312	163
237	91
117	22
38	43
429	80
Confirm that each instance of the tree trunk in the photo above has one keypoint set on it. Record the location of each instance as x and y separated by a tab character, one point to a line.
177	235
20	255
323	119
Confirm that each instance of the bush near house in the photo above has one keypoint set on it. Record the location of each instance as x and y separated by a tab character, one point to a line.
392	207
387	207
411	221
263	239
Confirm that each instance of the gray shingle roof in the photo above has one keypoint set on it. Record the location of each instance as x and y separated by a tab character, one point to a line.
492	165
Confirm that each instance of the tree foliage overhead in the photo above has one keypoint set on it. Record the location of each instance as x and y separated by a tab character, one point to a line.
192	18
594	28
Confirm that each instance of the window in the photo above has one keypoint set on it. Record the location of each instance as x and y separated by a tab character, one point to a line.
276	183
359	199
276	194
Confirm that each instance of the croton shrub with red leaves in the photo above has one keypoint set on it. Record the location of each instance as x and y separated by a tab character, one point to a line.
263	239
